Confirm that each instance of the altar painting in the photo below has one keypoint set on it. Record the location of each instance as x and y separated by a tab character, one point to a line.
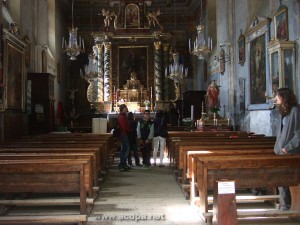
133	59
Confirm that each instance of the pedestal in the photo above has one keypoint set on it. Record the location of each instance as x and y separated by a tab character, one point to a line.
224	204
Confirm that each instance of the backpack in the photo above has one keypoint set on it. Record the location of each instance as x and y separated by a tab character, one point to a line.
116	131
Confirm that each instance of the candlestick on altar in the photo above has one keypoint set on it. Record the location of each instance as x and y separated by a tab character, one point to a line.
192	112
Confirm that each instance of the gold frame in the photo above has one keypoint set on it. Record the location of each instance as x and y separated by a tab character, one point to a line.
135	7
241	49
120	61
281	19
14	73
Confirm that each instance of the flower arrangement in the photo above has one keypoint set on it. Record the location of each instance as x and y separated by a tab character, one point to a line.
146	102
214	109
187	122
121	101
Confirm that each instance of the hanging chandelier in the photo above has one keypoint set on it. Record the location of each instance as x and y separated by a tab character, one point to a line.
176	71
75	44
201	47
91	70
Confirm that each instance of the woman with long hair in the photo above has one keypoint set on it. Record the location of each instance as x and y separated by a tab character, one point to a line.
288	134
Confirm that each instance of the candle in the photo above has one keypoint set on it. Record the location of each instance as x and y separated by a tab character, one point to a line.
214	115
189	44
211	43
228	121
82	43
216	122
192	112
151	92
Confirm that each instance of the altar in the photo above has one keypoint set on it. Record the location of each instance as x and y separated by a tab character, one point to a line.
134	95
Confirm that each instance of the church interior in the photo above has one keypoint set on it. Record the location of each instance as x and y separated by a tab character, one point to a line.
96	58
212	66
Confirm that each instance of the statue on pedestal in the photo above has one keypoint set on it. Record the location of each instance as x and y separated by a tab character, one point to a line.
212	96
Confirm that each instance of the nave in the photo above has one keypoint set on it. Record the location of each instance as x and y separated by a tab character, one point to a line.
122	197
153	192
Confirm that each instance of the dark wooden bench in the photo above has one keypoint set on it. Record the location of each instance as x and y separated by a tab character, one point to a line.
182	146
175	142
89	172
44	176
248	172
62	144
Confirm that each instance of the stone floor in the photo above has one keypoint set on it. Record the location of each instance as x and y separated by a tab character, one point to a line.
150	196
144	196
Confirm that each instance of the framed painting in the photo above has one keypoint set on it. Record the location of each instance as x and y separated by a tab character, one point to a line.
133	59
281	24
242	94
241	48
132	16
258	70
14	77
257	37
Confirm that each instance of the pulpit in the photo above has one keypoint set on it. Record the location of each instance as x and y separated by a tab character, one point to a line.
133	94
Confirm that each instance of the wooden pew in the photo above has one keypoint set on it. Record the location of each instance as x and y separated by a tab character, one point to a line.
181	147
62	144
44	176
189	155
89	173
94	152
183	134
180	141
105	142
248	172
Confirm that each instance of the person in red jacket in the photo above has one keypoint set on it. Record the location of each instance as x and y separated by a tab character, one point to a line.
125	129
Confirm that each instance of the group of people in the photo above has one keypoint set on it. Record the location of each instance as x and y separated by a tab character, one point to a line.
146	131
141	135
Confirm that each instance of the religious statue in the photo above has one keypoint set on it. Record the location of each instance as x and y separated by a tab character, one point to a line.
213	96
133	75
133	83
152	18
108	16
72	95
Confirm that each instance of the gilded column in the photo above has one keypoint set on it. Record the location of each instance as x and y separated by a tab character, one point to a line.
158	71
166	48
100	73
107	62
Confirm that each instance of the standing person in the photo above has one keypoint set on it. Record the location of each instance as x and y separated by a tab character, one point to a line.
288	135
133	140
160	136
145	136
125	146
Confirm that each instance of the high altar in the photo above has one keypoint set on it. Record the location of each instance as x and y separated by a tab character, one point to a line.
131	53
134	94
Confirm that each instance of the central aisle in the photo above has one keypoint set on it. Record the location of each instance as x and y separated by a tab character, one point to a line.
142	196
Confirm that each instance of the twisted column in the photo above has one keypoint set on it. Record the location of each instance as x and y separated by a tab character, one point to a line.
166	48
158	71
106	82
100	79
